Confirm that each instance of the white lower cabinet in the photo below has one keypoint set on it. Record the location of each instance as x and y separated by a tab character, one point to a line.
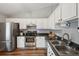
21	42
50	52
40	42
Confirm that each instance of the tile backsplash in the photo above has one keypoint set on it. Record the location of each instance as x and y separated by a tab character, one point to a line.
72	31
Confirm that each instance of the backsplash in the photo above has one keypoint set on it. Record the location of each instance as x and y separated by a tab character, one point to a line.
72	31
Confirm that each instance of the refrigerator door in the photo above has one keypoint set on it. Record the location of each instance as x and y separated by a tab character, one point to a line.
6	46
8	36
2	45
8	31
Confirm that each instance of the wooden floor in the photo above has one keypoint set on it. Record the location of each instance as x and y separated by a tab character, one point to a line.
25	52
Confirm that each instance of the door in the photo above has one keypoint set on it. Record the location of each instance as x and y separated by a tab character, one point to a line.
68	10
52	21
57	13
78	10
40	42
21	42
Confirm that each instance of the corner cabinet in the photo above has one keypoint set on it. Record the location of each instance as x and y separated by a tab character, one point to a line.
40	42
50	52
69	10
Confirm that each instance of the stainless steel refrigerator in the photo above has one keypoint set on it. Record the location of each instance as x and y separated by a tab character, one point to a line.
8	34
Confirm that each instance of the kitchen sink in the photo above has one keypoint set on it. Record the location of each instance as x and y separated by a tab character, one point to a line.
66	51
55	42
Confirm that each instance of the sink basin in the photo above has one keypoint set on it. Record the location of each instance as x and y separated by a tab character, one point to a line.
63	50
55	42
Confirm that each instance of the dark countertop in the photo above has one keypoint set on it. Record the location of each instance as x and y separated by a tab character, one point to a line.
57	53
42	34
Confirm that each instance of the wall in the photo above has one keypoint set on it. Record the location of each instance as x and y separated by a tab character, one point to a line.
2	18
41	22
72	31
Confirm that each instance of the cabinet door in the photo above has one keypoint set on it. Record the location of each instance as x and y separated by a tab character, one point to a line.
57	13
40	42
21	42
78	10
68	10
52	21
78	14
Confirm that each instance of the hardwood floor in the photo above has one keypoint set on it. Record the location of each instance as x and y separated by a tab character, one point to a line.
25	52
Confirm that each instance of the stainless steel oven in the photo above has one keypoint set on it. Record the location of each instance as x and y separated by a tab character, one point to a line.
30	39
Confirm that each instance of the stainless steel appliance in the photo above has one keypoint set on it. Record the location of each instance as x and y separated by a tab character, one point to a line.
8	33
30	36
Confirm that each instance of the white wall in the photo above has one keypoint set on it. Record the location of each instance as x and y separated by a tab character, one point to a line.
2	18
41	22
72	30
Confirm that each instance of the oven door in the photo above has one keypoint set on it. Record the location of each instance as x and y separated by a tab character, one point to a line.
30	40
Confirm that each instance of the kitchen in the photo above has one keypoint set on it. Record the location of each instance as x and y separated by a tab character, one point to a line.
39	29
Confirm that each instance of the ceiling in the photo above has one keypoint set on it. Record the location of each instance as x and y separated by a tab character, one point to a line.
27	10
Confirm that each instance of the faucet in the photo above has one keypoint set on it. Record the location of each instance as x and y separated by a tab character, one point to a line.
68	39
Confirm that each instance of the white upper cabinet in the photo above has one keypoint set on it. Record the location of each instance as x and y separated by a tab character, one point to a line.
78	14
57	14
52	21
55	17
68	10
78	10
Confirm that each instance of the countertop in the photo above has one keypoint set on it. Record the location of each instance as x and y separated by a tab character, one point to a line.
59	52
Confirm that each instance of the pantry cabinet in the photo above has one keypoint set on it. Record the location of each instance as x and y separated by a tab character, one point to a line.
68	11
50	52
40	42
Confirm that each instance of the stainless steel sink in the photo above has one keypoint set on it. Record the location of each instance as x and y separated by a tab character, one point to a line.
66	51
55	42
